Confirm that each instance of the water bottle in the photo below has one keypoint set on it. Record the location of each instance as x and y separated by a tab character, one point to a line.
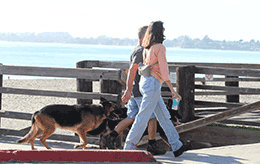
175	104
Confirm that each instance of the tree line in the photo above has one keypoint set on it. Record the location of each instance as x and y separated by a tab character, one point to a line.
180	42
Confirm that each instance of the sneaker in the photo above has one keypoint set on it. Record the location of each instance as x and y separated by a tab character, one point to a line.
108	141
184	147
154	149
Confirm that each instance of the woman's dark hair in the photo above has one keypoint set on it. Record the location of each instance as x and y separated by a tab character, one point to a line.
154	34
141	32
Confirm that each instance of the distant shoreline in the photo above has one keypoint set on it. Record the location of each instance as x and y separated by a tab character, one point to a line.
184	42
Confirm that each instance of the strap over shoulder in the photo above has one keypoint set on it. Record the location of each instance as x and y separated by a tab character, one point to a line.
154	63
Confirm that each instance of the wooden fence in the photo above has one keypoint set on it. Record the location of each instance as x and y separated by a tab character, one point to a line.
97	74
112	82
233	74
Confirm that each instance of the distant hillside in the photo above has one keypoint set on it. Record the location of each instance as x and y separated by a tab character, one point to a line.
181	42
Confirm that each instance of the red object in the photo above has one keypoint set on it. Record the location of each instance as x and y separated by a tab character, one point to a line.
208	77
77	155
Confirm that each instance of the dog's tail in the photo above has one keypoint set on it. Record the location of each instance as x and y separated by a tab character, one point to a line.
27	137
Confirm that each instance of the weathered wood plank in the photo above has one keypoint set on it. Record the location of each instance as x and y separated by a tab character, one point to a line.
88	63
227	71
82	95
222	65
224	93
229	90
217	117
81	73
172	68
16	115
1	68
207	104
238	122
114	64
112	87
1	84
165	85
227	79
212	93
185	87
125	64
85	85
233	97
166	93
123	79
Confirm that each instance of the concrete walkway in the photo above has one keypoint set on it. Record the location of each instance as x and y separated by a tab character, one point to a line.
238	154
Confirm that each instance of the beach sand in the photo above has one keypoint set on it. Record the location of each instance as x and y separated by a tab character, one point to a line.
30	104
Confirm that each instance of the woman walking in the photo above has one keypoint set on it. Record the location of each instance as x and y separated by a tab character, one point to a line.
150	87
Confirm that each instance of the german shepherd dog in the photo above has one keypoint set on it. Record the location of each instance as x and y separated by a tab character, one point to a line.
79	119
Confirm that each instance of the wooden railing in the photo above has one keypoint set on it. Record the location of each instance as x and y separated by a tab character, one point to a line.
95	74
111	73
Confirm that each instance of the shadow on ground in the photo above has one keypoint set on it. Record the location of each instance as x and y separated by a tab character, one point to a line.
190	157
51	143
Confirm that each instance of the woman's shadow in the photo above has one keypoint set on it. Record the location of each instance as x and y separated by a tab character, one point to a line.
199	157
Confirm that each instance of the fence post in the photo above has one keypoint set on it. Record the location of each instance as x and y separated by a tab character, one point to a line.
84	85
1	84
185	87
232	98
112	86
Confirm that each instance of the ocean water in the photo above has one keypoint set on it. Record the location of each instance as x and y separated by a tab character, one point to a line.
67	55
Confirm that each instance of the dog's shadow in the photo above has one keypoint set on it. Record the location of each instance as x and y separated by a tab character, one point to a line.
53	143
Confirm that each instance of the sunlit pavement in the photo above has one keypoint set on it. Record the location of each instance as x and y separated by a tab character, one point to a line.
238	154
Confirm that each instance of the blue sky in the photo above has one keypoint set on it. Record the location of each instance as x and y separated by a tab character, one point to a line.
219	19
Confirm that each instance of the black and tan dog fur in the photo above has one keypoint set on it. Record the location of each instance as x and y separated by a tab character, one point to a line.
108	125
79	119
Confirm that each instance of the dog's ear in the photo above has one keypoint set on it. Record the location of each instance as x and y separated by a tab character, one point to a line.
107	104
103	100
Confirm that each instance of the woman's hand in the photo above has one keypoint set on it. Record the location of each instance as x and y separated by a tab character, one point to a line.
126	97
176	96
